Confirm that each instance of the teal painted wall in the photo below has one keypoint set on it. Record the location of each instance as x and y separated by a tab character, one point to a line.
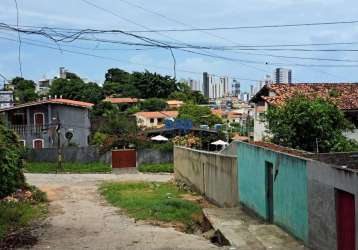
289	191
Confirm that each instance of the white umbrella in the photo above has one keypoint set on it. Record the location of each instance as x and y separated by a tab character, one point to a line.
159	138
219	142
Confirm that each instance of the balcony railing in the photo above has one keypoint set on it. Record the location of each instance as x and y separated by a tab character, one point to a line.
23	130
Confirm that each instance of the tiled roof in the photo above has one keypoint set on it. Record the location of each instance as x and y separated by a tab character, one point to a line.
174	102
158	114
345	95
120	100
61	101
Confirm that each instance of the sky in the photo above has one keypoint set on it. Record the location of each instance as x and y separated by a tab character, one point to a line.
39	61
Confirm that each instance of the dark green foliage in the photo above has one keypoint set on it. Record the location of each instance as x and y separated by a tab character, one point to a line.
102	107
11	152
153	104
138	84
199	115
24	90
300	121
76	89
185	94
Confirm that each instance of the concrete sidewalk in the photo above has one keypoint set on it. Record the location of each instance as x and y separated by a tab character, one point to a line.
244	231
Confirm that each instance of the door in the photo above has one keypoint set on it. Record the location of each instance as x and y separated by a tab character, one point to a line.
345	216
38	144
269	191
126	158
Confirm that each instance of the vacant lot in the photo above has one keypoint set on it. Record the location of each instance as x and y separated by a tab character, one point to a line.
153	201
79	217
67	167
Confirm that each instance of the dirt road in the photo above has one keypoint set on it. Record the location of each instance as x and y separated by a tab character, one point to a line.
79	218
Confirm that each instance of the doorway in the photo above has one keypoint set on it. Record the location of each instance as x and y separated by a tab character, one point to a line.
269	191
345	216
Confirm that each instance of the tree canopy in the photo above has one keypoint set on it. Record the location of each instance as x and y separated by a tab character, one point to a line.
76	89
200	115
153	104
302	122
25	90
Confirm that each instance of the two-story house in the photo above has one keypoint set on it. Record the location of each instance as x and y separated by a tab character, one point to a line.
39	123
345	95
154	119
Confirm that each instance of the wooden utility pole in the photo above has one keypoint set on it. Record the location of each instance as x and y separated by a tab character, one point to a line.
59	151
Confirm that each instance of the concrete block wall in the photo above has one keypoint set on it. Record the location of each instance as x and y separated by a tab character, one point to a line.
323	181
213	175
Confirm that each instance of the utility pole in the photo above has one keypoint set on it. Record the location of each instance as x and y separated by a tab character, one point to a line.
59	153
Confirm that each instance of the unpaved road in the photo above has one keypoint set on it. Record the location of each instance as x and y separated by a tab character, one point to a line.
79	218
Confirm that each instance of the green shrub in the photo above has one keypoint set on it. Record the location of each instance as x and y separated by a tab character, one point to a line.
11	154
157	168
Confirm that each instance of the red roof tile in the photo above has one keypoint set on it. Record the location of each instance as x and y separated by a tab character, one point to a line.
62	101
120	100
345	95
158	114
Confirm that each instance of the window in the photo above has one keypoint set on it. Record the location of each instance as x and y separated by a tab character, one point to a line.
39	119
160	120
18	119
151	120
38	143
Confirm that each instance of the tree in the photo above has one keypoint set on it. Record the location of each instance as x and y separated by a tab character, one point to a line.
199	115
25	90
185	94
117	82
149	85
302	122
153	104
11	165
76	89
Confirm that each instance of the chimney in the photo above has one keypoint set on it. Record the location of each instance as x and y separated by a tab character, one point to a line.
55	96
60	96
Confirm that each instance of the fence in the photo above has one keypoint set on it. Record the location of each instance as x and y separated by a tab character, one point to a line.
92	154
213	175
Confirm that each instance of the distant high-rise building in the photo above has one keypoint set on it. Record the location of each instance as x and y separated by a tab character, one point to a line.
282	75
214	87
235	88
194	84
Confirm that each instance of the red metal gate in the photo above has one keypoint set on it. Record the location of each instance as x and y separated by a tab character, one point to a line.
345	221
124	158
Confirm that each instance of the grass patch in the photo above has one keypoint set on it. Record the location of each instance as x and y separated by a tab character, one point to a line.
157	168
151	201
71	167
15	215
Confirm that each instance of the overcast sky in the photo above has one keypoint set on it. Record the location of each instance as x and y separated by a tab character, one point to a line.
38	61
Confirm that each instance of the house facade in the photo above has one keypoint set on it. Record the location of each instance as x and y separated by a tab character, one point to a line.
38	123
154	119
312	197
345	95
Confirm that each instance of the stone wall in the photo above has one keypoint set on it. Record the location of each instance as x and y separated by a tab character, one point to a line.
70	154
92	154
154	156
211	174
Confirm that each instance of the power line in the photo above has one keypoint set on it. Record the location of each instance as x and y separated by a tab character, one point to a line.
120	60
19	38
247	27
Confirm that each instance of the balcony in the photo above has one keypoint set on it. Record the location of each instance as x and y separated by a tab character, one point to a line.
24	130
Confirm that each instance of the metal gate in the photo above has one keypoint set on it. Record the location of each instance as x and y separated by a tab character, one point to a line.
346	230
124	158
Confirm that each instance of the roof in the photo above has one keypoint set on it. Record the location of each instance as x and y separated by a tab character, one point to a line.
218	112
115	100
158	114
174	102
345	95
60	101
